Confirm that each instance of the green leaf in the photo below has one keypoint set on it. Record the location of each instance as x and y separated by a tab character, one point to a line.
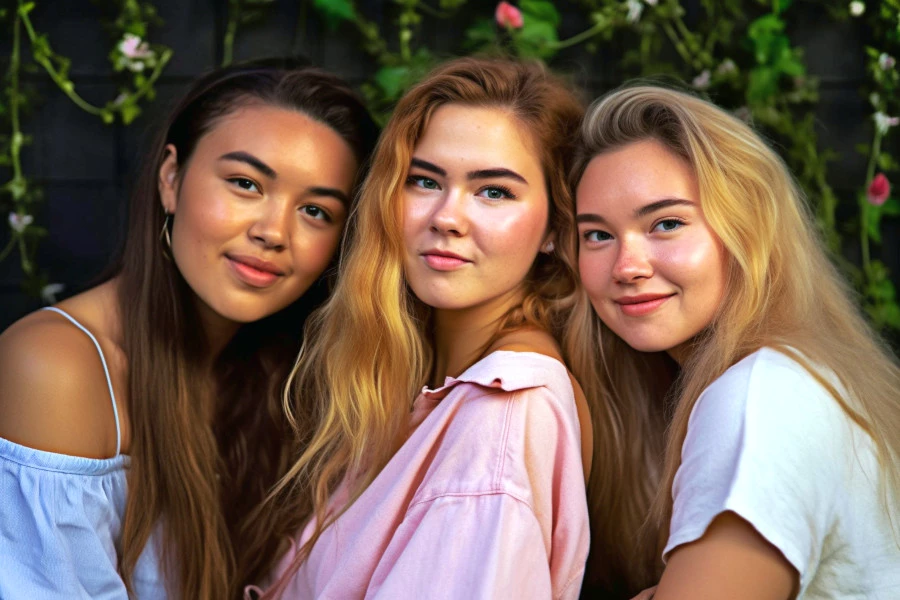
130	112
481	33
539	10
335	11
392	81
873	223
891	208
534	40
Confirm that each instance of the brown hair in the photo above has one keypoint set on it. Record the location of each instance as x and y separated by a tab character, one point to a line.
198	479
367	352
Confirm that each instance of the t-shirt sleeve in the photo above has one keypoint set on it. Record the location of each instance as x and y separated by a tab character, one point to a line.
526	538
768	443
57	529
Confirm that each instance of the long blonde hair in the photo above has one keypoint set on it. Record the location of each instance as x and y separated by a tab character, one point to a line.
367	351
782	291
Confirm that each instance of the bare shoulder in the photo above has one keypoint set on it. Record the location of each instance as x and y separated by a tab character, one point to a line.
53	390
528	340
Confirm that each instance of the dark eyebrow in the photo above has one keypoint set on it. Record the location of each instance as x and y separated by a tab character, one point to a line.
493	173
589	218
640	212
252	161
661	204
424	164
332	192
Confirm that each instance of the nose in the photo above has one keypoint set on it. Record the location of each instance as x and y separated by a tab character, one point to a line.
449	215
270	226
632	261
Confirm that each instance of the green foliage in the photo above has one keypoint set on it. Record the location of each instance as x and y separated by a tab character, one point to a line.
139	64
738	52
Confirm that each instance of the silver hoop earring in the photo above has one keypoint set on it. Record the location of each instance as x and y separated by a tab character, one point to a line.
165	236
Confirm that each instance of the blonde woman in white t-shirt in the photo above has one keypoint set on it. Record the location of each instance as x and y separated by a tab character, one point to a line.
695	248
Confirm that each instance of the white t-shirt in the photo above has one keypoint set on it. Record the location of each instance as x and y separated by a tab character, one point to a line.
769	443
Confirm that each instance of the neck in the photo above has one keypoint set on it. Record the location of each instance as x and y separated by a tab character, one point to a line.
461	336
218	330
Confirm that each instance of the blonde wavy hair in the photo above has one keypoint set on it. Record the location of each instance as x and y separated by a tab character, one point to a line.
367	352
782	291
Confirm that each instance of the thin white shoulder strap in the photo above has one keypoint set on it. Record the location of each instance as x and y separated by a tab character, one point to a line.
112	395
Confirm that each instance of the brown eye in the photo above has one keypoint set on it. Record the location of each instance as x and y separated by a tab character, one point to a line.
245	184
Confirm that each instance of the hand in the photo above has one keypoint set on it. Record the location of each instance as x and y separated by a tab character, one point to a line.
646	594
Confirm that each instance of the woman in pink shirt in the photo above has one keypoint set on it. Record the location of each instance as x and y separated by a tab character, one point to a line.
444	436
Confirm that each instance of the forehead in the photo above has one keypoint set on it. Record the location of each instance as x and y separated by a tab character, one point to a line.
638	172
271	128
462	133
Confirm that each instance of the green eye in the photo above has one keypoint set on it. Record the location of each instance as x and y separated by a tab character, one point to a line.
596	235
496	192
668	225
420	181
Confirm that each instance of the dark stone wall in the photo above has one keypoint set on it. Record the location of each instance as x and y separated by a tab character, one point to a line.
86	167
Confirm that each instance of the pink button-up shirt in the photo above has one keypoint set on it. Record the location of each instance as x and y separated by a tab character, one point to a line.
486	499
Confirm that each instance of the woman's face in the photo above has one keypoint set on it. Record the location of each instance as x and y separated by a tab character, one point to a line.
475	209
652	267
257	210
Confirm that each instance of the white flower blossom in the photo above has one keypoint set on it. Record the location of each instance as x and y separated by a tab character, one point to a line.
49	292
651	2
701	81
133	47
884	122
886	61
857	8
727	66
18	222
635	8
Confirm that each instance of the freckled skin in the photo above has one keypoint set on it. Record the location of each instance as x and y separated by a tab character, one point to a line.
224	208
670	251
500	236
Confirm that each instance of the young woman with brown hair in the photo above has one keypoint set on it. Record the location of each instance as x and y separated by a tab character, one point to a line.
234	222
781	474
473	486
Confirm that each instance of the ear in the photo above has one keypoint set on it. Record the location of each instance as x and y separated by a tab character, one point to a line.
168	179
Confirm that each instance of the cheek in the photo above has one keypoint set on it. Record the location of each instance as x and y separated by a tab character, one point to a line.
415	217
313	251
203	216
690	259
594	270
516	233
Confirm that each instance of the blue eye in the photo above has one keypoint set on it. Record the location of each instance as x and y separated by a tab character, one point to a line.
496	192
596	235
668	225
315	212
245	184
423	182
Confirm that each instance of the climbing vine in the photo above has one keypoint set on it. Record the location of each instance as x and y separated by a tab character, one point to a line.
739	53
137	65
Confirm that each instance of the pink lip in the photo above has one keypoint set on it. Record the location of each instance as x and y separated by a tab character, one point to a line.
253	271
643	304
440	260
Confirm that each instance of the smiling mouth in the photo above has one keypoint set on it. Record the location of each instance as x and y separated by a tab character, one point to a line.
253	275
440	261
638	306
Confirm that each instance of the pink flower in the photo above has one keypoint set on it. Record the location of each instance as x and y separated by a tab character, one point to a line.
879	190
508	16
